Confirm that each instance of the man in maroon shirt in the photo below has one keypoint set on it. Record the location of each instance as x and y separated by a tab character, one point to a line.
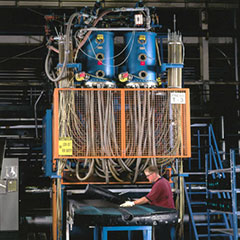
160	194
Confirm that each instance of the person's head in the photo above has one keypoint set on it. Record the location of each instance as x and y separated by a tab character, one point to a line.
152	173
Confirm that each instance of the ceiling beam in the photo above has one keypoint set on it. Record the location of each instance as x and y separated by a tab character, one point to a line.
231	4
10	39
29	40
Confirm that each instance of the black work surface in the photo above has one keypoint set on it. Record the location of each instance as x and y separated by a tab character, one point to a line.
104	213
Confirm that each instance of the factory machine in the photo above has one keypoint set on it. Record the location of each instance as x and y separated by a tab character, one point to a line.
118	107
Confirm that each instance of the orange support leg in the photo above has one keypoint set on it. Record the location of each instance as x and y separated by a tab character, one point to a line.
54	210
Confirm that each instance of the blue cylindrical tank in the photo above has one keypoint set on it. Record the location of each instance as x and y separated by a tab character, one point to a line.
141	62
98	58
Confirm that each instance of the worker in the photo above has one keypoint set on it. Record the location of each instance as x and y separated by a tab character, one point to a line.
160	194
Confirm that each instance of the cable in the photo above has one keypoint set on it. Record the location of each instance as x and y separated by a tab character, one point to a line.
94	133
66	52
88	34
21	54
90	171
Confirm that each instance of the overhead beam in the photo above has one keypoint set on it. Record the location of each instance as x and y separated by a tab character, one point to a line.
32	39
21	39
127	3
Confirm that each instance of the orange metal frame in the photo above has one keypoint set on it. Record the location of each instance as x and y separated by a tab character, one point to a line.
185	116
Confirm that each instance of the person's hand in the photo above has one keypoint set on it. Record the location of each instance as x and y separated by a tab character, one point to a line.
127	204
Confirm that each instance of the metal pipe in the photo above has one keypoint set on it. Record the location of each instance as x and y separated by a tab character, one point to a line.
129	9
236	55
236	68
223	138
35	113
175	55
116	29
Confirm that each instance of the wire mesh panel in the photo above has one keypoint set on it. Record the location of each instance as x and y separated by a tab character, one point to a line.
121	123
89	123
154	123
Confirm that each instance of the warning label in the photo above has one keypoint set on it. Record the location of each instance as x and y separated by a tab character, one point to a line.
65	146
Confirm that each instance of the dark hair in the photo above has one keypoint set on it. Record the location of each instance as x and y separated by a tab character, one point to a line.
152	169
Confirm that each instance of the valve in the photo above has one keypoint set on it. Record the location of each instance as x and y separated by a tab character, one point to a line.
123	77
81	76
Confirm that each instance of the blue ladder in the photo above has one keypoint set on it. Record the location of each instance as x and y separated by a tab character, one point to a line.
205	142
196	225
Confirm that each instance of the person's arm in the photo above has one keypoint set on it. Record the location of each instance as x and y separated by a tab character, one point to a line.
142	200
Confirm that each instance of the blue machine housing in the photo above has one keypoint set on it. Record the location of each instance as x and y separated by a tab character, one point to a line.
141	62
47	143
100	44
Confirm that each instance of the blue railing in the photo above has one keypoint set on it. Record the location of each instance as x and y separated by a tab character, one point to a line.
213	149
214	161
235	200
190	212
212	157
